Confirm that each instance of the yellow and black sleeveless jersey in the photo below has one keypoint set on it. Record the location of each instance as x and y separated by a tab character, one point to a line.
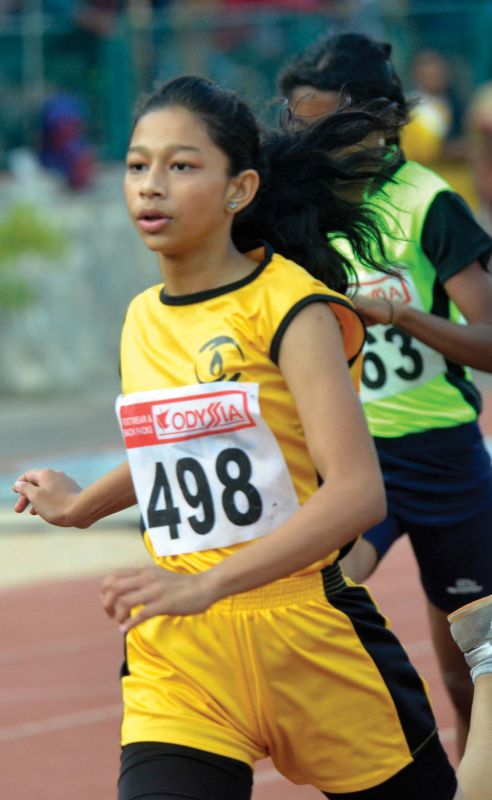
233	333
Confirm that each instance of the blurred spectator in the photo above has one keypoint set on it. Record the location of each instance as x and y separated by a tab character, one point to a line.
99	16
479	126
435	130
249	38
64	147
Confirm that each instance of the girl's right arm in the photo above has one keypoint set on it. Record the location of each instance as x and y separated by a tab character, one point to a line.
58	499
471	344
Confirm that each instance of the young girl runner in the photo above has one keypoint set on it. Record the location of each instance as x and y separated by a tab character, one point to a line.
420	402
244	436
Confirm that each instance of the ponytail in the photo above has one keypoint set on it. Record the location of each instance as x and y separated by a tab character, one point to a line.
314	182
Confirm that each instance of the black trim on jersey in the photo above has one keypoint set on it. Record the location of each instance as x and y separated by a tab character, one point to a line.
208	294
306	301
451	237
401	679
455	374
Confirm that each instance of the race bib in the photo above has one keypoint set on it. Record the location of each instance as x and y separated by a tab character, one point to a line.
207	470
394	362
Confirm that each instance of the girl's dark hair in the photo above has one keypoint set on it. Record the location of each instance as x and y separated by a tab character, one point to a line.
351	63
230	123
312	180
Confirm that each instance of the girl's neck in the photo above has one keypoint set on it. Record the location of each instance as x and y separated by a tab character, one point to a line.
195	272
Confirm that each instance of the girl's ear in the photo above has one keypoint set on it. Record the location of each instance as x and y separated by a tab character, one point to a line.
242	189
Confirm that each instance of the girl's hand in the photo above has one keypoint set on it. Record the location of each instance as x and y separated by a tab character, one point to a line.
50	494
376	312
157	590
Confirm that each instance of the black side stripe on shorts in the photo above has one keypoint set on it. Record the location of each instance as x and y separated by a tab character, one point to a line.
124	671
403	682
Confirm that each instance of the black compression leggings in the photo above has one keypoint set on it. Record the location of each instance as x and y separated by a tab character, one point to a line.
153	771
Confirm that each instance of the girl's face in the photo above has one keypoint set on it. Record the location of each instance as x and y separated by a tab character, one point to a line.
177	186
309	105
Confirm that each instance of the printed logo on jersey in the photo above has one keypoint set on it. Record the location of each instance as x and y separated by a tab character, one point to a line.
386	287
181	418
217	360
465	586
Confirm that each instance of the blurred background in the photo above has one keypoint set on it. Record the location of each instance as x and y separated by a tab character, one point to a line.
70	72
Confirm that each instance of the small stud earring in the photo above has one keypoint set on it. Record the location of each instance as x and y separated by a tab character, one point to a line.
232	203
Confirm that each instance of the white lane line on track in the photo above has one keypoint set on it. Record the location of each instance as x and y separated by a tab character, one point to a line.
54	724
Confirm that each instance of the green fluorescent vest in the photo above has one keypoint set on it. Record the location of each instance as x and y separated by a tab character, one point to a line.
407	387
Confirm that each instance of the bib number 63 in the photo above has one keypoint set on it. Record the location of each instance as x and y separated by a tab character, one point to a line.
375	372
240	500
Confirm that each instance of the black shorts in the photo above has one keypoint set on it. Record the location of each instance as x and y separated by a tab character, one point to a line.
439	490
154	771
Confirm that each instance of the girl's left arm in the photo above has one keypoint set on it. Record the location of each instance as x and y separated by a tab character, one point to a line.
471	344
350	500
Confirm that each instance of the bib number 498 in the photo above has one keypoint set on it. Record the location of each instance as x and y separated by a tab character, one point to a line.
240	500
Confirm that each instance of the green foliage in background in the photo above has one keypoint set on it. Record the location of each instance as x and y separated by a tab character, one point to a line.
23	231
